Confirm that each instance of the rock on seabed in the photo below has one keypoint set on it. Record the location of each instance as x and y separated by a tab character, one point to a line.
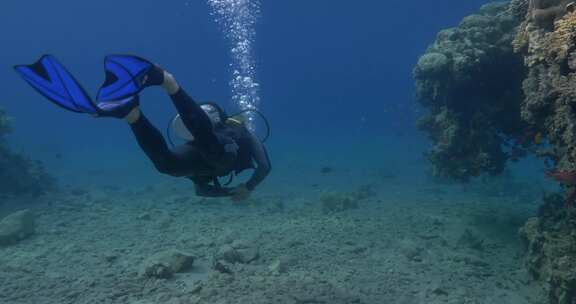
16	227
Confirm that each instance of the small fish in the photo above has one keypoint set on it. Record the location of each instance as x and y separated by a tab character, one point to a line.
565	177
568	178
538	138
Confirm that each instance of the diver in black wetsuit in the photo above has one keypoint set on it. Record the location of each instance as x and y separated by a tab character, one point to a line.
220	147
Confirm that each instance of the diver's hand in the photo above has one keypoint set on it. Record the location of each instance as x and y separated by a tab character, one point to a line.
240	193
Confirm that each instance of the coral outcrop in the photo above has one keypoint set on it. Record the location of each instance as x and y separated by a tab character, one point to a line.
470	80
18	174
547	41
499	91
551	244
550	103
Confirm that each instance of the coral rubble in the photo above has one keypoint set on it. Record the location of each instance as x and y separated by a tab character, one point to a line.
337	202
166	263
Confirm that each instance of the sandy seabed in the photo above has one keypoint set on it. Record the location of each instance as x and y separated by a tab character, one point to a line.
405	243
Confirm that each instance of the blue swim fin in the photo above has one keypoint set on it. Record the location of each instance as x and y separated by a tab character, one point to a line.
126	76
51	79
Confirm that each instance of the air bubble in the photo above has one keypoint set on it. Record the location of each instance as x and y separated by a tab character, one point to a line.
238	19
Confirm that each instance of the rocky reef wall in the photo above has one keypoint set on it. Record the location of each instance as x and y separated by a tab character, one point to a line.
498	87
19	175
547	41
550	240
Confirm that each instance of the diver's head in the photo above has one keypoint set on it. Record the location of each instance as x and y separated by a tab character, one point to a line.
214	112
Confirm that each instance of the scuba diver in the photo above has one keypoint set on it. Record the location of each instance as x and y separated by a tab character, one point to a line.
216	145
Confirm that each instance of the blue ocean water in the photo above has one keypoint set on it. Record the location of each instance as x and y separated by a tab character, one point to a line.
333	75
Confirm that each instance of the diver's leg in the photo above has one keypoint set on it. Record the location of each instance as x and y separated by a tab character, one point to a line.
192	115
194	118
154	146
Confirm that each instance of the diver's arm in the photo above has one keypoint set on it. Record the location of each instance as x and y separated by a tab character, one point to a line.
203	188
263	166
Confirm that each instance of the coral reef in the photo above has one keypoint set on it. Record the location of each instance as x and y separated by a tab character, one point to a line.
18	174
545	12
470	79
551	244
549	104
519	9
550	95
548	45
497	92
500	79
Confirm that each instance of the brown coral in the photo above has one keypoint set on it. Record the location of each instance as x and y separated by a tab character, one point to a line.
547	32
563	37
545	12
548	87
521	41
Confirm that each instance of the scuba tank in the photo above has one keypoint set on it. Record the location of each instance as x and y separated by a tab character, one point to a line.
176	126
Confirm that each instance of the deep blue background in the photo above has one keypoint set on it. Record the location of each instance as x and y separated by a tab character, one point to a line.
329	70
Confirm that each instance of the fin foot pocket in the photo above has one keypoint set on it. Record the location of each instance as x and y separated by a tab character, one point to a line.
126	76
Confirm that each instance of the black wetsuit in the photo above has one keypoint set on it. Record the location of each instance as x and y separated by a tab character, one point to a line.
217	150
